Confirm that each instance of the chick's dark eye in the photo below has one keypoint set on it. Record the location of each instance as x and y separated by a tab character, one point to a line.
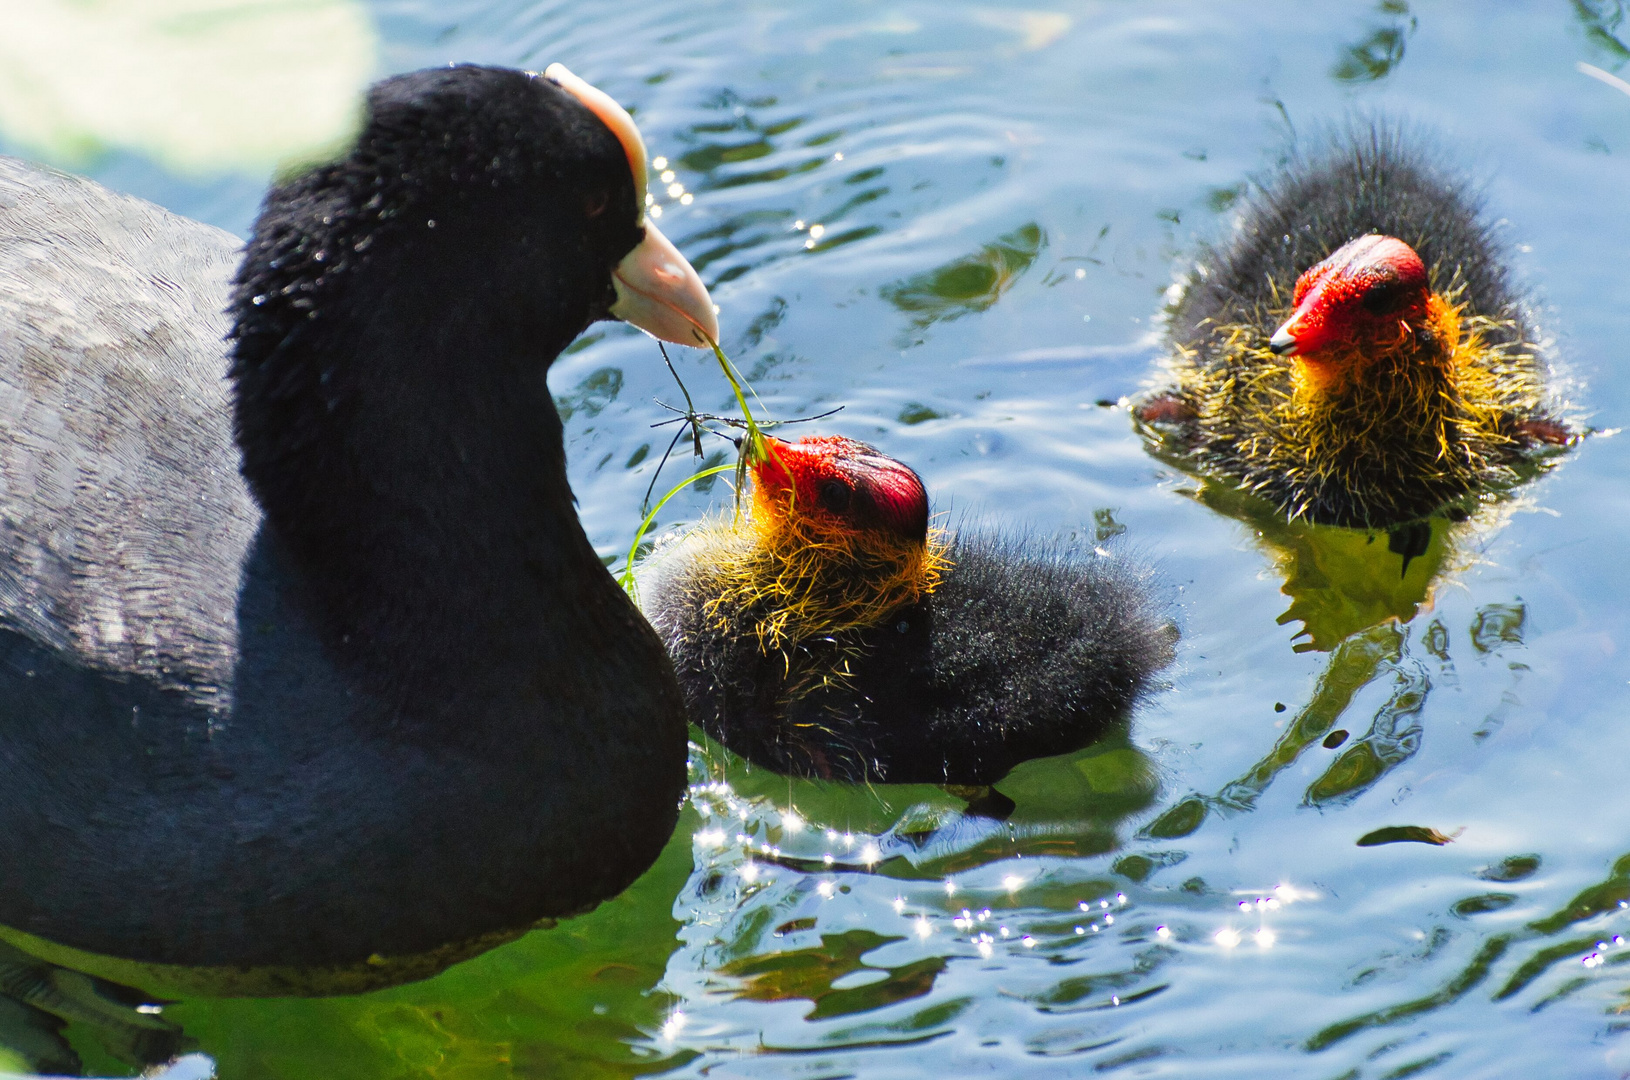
1383	297
595	203
835	496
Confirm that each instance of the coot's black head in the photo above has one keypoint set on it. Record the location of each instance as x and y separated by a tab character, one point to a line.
482	219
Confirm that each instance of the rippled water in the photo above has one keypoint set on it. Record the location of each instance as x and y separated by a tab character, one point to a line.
958	221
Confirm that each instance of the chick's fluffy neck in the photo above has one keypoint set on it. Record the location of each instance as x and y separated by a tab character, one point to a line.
792	575
1424	353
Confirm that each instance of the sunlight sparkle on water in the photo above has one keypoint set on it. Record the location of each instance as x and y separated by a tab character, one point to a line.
923	928
950	887
827	889
1227	937
871	853
659	163
749	872
1012	883
1163	932
791	822
1264	938
674	1025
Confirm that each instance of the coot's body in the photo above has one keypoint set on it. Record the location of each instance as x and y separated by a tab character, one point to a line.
381	701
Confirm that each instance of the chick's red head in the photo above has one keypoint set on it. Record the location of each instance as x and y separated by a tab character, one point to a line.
1366	296
842	484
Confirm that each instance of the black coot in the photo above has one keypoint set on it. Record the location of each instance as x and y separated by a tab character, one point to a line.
308	674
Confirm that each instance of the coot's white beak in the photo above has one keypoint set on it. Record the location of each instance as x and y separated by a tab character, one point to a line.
659	292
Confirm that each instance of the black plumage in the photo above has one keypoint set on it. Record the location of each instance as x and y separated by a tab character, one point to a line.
375	696
1022	651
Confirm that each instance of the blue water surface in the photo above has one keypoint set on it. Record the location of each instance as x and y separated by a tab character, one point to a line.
960	221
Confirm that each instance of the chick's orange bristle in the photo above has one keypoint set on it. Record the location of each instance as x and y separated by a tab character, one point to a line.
795	569
1435	407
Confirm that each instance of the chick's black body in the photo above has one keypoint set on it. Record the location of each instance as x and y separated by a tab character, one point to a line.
1018	654
375	695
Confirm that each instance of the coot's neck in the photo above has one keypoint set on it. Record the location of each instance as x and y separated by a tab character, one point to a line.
406	450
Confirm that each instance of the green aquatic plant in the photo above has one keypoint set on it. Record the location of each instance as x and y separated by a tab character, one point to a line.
751	450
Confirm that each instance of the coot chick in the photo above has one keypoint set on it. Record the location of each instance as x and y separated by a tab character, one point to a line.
833	635
1356	355
309	678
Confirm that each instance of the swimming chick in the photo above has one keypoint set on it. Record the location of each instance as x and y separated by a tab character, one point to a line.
1355	355
833	634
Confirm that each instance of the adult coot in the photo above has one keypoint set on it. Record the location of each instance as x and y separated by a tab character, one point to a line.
308	674
833	635
1356	355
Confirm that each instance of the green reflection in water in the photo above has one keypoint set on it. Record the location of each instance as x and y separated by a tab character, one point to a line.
1341	581
1608	896
1381	51
592	394
770	942
970	284
1601	20
577	1001
810	972
1404	834
1354	594
38	1000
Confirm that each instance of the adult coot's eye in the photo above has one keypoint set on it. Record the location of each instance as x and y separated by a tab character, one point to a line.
835	496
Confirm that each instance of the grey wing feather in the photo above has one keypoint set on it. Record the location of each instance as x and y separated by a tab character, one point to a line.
123	518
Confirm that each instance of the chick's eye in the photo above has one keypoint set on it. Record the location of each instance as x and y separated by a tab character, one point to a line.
595	203
1385	296
835	496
